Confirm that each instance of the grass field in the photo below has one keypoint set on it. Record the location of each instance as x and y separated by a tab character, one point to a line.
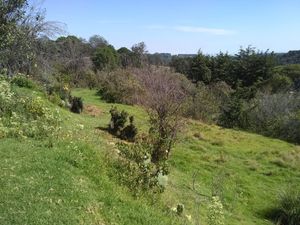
71	182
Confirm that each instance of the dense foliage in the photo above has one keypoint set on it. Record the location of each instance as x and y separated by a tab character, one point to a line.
136	170
120	86
261	96
25	116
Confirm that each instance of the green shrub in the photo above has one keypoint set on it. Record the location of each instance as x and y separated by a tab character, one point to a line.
25	116
130	131
117	125
179	209
22	81
76	105
105	58
119	87
136	170
62	90
279	83
55	99
275	115
231	113
6	97
117	121
290	129
59	94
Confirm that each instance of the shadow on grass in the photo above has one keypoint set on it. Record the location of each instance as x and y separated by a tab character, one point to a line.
275	215
103	129
108	131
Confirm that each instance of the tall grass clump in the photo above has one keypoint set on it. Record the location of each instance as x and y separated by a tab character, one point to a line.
287	210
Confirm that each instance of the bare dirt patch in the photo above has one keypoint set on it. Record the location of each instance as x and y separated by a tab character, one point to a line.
92	110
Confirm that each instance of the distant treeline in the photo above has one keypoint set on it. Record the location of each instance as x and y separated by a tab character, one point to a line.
291	57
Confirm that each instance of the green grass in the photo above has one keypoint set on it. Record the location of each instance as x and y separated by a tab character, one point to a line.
71	182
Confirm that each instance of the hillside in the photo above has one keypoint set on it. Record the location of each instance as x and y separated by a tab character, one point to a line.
73	181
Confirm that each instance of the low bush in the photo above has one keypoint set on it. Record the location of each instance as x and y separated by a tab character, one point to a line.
55	99
130	131
179	209
117	121
119	87
117	125
136	171
76	105
22	81
62	90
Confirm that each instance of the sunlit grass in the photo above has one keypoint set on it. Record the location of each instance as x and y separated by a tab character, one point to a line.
71	182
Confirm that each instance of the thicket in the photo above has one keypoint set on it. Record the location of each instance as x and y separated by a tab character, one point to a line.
120	86
255	95
25	116
205	101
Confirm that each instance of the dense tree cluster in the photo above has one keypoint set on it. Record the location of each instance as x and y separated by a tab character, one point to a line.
244	69
259	94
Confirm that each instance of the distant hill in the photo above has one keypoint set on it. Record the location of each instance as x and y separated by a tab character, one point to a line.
186	55
166	58
291	57
160	58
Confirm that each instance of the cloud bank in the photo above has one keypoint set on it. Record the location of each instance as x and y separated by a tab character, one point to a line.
190	29
193	29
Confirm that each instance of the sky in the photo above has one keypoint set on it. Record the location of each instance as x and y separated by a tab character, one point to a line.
183	26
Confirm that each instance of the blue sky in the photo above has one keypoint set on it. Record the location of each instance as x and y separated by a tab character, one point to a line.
184	26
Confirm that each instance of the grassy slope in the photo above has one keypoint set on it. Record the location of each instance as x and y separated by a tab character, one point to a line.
69	183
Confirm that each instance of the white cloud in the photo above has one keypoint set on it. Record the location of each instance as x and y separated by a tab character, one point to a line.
213	31
192	29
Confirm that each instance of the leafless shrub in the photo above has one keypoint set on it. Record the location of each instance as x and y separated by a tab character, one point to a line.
164	98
